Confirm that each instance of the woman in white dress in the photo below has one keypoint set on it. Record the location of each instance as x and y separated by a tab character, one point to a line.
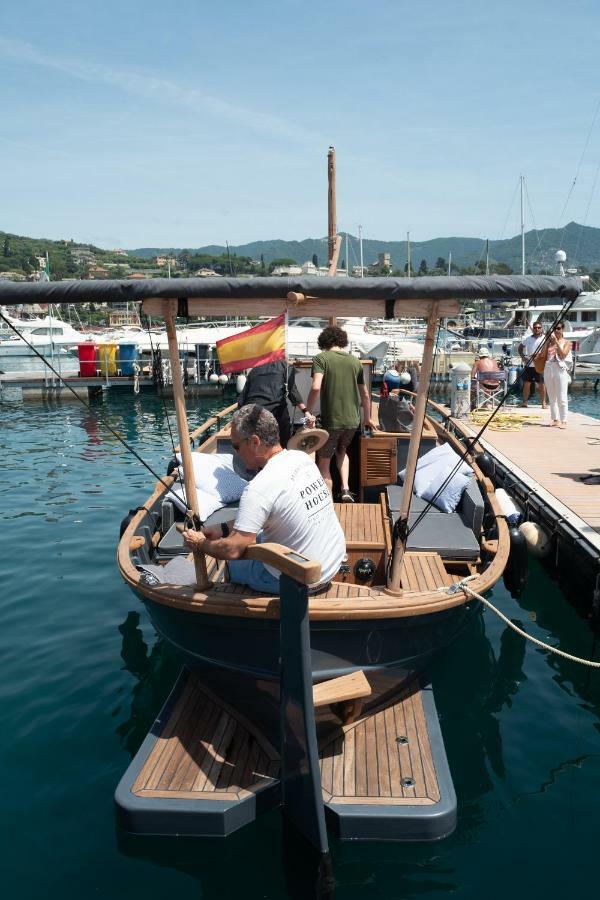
556	376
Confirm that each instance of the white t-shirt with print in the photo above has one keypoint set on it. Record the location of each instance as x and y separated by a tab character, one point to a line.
530	345
291	503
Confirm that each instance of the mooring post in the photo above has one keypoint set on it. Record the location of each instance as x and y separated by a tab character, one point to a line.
300	773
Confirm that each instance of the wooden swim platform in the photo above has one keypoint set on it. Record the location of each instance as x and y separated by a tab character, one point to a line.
206	770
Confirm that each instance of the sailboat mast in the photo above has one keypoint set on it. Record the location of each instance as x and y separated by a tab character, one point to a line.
522	230
408	253
362	271
331	209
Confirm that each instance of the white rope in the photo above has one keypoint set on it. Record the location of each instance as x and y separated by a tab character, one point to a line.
136	378
461	585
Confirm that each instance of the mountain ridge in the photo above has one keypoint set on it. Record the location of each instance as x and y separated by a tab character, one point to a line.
580	242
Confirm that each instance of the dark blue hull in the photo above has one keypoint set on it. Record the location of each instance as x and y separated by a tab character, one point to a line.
251	646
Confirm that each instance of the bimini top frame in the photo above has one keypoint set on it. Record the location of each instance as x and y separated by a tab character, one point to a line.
329	295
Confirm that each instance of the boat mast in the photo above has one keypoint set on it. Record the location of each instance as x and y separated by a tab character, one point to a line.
331	211
170	312
334	242
522	230
408	254
362	271
393	586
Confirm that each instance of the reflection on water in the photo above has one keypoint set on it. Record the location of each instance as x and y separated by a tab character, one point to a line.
152	670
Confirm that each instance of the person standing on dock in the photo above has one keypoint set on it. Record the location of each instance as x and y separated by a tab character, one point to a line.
528	350
338	381
556	376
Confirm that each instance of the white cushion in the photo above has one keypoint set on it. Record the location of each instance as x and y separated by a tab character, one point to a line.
207	503
432	470
214	474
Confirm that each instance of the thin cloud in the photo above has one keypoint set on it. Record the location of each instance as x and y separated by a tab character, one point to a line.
158	90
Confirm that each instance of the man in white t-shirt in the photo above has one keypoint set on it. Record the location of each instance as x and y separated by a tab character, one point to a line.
287	502
527	349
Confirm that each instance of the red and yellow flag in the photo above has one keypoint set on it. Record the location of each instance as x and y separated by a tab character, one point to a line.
262	344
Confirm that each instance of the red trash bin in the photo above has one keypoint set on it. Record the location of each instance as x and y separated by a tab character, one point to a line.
86	354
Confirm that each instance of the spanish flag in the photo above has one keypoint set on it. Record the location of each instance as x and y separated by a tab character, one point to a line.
262	344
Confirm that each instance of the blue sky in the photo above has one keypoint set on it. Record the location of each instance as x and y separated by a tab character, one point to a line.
143	124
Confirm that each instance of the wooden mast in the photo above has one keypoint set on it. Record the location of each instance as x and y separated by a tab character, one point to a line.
333	241
170	312
331	210
393	586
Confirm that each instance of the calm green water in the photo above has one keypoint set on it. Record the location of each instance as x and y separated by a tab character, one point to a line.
83	676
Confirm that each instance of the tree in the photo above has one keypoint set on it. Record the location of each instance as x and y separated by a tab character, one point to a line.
284	261
315	260
423	267
263	269
440	263
6	247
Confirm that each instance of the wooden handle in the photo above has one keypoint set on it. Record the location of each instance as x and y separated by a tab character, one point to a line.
304	570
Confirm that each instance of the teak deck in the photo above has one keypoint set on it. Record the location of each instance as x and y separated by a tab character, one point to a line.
205	770
205	750
384	758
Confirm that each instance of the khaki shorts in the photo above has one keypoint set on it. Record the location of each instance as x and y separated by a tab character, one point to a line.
339	440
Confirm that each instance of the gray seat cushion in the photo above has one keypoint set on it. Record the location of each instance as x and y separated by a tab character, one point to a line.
471	506
443	533
394	498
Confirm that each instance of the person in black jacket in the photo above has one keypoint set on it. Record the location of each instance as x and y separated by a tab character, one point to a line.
270	386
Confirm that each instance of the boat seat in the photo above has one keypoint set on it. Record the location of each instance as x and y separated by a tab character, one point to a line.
443	533
470	507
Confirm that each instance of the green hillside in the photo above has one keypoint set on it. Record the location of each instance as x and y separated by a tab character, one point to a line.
68	259
581	244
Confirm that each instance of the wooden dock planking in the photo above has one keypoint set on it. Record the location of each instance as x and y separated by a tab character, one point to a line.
367	764
205	751
551	461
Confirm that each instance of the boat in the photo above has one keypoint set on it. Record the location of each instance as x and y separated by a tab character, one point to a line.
282	696
48	335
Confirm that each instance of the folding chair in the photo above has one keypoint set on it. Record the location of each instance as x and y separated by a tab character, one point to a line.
489	396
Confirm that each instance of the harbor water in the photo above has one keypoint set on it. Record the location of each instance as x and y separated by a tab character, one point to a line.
84	674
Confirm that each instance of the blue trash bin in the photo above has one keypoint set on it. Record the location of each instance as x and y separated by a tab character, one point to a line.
128	355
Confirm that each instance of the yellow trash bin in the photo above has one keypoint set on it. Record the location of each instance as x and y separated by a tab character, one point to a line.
107	357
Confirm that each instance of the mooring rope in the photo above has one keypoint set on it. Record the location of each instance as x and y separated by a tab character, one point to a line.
462	586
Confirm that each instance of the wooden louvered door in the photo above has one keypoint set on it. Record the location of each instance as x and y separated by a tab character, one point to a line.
378	461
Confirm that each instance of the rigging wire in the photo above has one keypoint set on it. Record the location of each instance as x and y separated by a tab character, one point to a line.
86	404
587	212
579	164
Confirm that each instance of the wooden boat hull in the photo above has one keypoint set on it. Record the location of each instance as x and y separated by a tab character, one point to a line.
251	646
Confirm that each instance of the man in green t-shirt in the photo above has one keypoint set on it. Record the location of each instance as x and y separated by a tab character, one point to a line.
338	380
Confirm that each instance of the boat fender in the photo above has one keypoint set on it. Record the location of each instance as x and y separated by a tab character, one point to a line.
125	522
240	383
539	542
513	516
214	378
516	571
486	464
223	379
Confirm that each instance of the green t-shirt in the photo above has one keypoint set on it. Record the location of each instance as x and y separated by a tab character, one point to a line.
340	401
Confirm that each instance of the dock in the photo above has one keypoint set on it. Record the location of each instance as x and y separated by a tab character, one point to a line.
542	468
38	385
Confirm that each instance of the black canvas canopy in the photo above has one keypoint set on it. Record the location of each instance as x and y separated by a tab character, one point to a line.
427	289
